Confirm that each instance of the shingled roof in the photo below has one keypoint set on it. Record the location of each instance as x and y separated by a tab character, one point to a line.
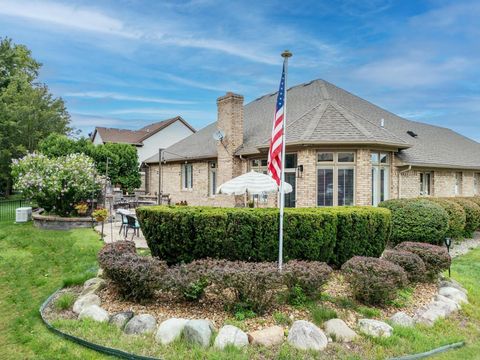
136	137
321	113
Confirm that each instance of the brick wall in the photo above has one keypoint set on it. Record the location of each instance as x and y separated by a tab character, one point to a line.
307	183
443	182
363	181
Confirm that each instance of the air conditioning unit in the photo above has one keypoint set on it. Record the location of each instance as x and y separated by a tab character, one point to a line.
23	214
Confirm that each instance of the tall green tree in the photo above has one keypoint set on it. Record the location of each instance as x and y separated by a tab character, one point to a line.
122	158
28	111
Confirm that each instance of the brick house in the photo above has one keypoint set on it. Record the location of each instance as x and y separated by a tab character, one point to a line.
340	150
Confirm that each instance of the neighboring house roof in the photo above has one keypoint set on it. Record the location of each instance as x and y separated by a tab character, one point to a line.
320	113
136	137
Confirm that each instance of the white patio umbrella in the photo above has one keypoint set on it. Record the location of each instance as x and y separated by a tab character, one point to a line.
254	183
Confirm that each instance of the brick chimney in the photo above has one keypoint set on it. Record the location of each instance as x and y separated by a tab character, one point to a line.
230	122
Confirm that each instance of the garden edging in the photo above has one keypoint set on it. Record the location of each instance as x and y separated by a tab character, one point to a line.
52	222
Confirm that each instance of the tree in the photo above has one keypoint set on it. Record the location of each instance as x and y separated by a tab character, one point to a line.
28	112
122	158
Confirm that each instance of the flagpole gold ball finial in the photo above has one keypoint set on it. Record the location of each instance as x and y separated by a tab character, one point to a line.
286	54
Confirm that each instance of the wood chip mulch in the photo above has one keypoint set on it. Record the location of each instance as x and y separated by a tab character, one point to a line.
164	306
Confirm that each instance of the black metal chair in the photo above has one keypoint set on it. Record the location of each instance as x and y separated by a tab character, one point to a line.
132	223
124	224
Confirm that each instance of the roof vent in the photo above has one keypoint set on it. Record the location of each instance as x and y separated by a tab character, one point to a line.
309	83
382	122
412	134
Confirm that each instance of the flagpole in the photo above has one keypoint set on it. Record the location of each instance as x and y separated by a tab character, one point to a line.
286	54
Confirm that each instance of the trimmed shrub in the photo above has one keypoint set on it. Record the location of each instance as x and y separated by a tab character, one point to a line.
190	280
412	264
309	276
435	258
472	212
456	217
417	220
361	231
182	234
136	277
247	286
374	281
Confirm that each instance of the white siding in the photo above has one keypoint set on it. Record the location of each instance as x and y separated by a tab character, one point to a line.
97	140
163	139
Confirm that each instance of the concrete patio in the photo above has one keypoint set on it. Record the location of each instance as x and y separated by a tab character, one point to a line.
111	234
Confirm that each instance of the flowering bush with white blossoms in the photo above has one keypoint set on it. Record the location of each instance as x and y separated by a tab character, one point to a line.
56	184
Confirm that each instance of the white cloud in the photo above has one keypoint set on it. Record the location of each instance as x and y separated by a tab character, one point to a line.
116	96
87	19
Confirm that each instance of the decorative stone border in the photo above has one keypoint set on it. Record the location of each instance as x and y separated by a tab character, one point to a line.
302	334
51	222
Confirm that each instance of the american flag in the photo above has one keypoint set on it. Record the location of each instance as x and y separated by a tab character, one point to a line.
276	142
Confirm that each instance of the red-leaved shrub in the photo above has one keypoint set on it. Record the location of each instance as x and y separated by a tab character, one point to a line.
136	277
410	262
310	276
436	258
374	281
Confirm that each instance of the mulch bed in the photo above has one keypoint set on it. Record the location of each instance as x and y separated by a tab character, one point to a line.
165	306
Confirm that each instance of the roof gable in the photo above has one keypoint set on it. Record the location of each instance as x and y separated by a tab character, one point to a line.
319	112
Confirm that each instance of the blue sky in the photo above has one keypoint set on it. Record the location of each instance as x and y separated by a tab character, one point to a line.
124	63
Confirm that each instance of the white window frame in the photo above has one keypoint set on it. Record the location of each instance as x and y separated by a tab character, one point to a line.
212	178
187	181
377	181
335	165
422	175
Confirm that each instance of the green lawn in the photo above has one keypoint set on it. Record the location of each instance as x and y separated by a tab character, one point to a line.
34	263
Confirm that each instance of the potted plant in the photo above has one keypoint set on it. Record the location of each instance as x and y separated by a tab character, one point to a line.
81	208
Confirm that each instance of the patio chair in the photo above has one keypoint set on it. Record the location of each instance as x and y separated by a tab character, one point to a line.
124	224
132	223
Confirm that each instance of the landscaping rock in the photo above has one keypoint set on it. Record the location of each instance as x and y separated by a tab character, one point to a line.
453	306
94	312
375	328
267	337
100	272
85	301
121	318
452	293
92	286
402	319
339	330
141	324
452	283
198	332
434	311
230	335
169	330
306	336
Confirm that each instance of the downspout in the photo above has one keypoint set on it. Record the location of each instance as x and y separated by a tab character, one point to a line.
399	182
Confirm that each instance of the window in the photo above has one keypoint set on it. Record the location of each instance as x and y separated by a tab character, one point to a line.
458	183
425	183
380	177
335	178
187	176
212	178
259	165
476	184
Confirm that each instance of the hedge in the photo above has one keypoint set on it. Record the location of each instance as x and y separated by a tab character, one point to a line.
472	212
361	231
332	235
417	220
456	216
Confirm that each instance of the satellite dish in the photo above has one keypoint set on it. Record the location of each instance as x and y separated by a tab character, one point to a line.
218	135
